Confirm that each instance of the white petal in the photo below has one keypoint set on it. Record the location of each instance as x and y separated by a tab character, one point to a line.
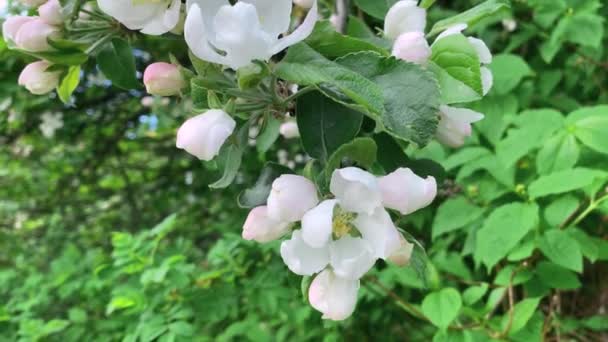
261	228
378	229
301	33
301	258
357	190
275	15
454	29
196	36
487	80
333	296
406	192
351	257
404	17
291	197
317	224
485	56
455	125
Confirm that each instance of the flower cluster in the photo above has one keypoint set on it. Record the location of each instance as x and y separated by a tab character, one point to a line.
341	238
32	34
405	23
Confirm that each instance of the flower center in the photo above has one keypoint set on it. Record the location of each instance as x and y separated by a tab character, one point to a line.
342	223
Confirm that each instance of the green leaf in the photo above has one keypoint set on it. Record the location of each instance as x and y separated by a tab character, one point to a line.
564	181
502	230
562	249
230	160
474	294
331	44
361	150
483	12
77	315
375	8
305	66
410	93
442	307
458	58
71	57
117	63
325	125
508	70
557	277
182	328
588	245
561	152
258	194
559	210
54	326
359	29
270	133
590	125
522	312
68	84
455	214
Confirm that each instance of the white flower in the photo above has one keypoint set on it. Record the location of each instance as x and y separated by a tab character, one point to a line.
455	125
154	17
50	124
50	12
402	256
204	134
301	258
404	16
333	296
289	129
237	35
406	192
291	197
412	47
380	231
356	189
261	228
351	257
37	79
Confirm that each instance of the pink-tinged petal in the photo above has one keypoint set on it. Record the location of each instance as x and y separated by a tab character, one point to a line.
333	296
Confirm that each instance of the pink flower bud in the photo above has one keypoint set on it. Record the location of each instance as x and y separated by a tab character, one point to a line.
163	79
261	228
406	192
404	16
455	125
33	35
402	256
289	130
12	25
204	135
412	47
37	80
50	12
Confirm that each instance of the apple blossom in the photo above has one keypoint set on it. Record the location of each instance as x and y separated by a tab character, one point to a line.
291	197
163	79
289	129
404	16
402	256
412	47
301	258
153	17
236	35
333	296
37	79
50	12
356	189
317	224
261	228
406	192
12	25
50	123
455	125
204	134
